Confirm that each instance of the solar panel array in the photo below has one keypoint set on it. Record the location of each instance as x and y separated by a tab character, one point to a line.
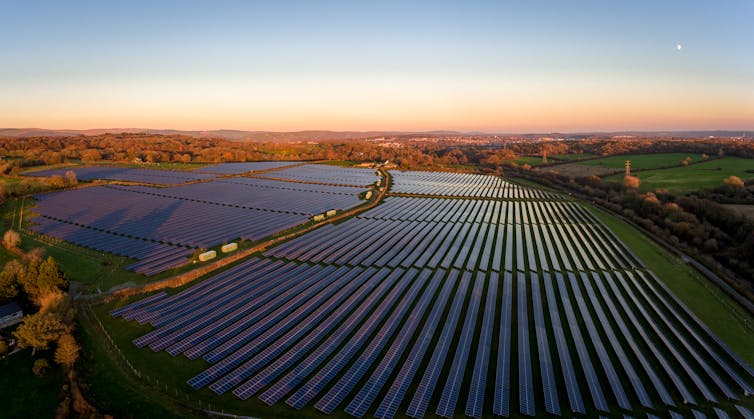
322	173
463	234
244	167
153	257
161	227
462	184
260	194
128	174
373	316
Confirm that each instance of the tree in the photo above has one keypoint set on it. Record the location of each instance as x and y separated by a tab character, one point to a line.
39	279
11	239
50	275
8	286
734	181
38	330
3	348
70	178
67	351
631	182
40	366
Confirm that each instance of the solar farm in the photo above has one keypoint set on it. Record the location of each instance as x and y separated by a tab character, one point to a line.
162	226
458	296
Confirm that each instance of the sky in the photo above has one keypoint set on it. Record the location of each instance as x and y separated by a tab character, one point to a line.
489	66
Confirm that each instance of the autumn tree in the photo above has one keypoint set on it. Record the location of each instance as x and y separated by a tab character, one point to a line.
67	351
3	348
631	182
11	239
39	279
734	181
70	178
39	330
8	286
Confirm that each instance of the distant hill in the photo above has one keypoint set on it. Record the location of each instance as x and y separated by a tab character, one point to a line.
234	135
322	135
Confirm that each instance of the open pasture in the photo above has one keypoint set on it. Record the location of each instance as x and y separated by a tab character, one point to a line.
704	175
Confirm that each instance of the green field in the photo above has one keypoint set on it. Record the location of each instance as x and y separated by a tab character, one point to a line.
642	161
574	157
698	176
530	160
23	394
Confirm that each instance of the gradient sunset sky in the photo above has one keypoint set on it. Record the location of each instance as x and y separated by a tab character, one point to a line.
494	66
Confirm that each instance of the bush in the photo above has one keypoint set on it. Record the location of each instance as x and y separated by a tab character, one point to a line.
40	366
11	239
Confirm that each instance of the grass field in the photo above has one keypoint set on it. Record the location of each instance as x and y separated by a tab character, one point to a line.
24	395
110	389
607	165
530	160
642	161
581	156
726	318
698	176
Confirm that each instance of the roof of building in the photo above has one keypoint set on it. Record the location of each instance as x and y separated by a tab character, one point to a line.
9	308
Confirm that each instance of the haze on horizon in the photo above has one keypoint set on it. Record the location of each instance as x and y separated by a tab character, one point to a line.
390	65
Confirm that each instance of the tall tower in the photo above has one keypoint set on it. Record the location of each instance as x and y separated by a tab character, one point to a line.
628	167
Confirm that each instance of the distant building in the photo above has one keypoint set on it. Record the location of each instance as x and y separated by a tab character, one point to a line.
10	314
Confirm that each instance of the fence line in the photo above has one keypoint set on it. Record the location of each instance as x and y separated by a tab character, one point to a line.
180	397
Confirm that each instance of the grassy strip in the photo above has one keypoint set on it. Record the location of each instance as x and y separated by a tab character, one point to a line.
111	389
729	321
25	395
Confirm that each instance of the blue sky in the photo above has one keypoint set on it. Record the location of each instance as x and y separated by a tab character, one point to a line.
291	65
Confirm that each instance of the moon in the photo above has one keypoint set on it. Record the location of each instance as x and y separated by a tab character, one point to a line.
678	47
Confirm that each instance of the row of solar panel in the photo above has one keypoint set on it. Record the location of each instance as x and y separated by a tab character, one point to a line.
306	322
511	212
155	177
314	173
321	173
244	167
241	194
462	184
169	220
153	257
463	245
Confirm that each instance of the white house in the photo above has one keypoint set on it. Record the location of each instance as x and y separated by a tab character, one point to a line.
10	314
